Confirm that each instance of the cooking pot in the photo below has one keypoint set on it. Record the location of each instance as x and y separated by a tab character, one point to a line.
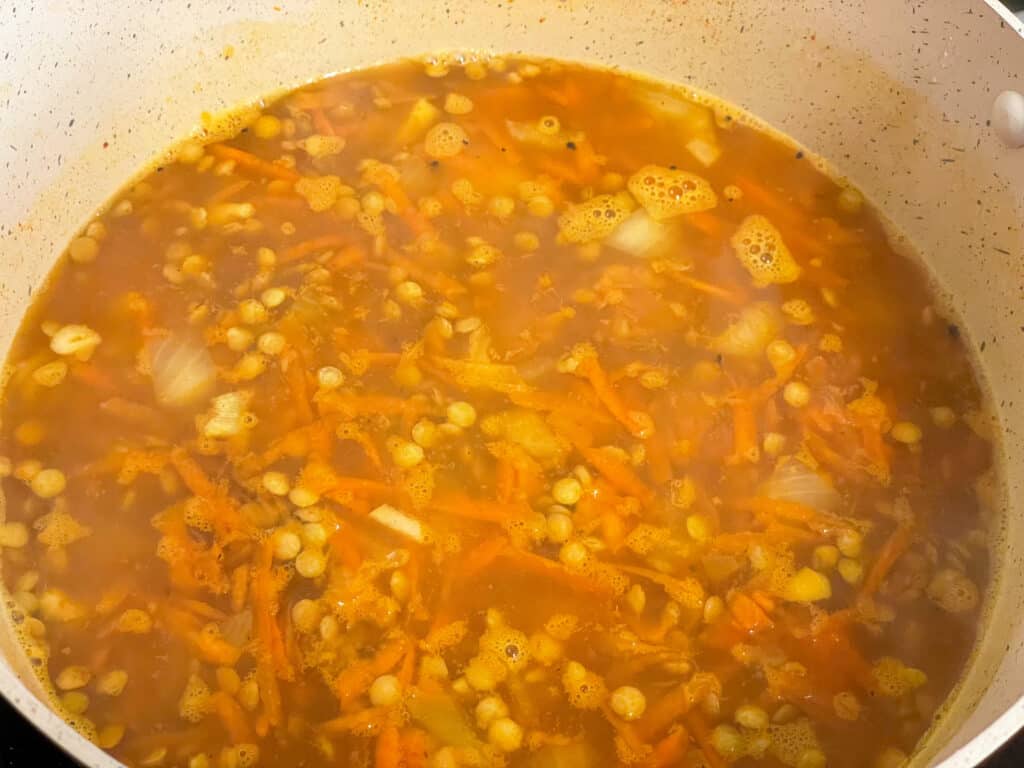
897	94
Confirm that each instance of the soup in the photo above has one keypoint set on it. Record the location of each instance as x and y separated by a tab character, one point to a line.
478	412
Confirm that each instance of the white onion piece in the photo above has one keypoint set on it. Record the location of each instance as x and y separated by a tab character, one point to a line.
183	371
795	481
400	523
227	414
756	327
639	235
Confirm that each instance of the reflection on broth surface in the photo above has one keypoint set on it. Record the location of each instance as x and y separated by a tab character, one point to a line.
498	412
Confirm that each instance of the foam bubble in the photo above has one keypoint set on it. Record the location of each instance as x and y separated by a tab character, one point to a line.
59	529
894	678
953	592
791	740
562	626
585	689
664	192
594	219
510	645
758	245
195	700
445	140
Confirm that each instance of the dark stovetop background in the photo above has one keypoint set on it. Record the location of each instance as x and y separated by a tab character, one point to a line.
21	746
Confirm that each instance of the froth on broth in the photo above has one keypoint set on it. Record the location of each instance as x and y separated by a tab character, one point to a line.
482	412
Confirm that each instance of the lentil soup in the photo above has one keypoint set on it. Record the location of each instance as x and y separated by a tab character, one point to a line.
479	412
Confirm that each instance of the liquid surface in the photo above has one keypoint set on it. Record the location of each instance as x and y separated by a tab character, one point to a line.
492	413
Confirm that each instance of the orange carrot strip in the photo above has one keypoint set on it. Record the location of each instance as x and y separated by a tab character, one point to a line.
250	162
663	712
270	691
670	750
363	722
356	678
388	751
228	522
264	605
417	222
305	248
698	726
233	718
744	426
321	123
736	297
295	377
768	510
895	546
638	423
460	505
750	616
618	474
552	570
226	193
505	480
414	748
343	544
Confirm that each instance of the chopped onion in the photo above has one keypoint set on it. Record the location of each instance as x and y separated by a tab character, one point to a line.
756	327
227	414
639	235
793	480
400	523
237	628
704	150
183	371
529	133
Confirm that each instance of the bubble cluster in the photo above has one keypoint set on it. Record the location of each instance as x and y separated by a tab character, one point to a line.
791	740
666	192
594	219
953	592
509	645
445	140
759	247
562	626
195	700
418	482
894	678
196	515
59	529
319	192
585	689
645	537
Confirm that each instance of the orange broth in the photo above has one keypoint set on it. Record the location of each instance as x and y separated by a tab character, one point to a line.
493	412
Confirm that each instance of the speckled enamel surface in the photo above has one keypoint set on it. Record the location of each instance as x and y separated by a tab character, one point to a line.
895	94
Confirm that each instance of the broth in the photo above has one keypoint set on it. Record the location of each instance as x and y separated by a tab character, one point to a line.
493	411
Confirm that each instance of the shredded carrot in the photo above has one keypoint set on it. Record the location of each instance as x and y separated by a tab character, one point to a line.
321	123
663	712
528	562
356	678
750	616
638	423
223	511
461	505
345	545
264	606
670	750
732	296
232	717
249	162
362	722
295	377
414	748
388	751
895	546
323	243
619	474
698	726
744	421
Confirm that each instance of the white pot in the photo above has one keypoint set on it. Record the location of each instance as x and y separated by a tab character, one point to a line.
896	94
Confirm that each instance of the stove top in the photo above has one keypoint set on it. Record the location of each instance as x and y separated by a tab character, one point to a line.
21	746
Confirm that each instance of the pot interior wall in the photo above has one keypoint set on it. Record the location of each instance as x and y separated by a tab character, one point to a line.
895	94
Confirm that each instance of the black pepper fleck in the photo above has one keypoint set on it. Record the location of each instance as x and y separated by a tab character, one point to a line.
953	330
799	155
570	145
